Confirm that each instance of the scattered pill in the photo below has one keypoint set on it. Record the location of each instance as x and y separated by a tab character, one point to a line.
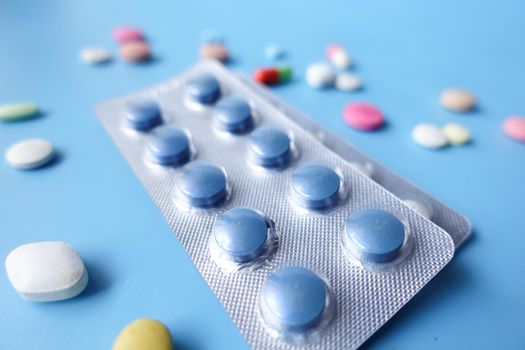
514	127
294	299
320	75
273	76
202	184
143	115
135	51
374	235
419	207
212	36
363	116
429	136
144	334
315	186
270	148
126	34
274	52
233	114
46	271
204	89
457	100
94	55
169	145
241	233
30	154
456	134
338	56
345	81
214	51
18	111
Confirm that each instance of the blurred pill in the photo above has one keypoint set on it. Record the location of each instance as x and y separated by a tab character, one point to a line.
429	136
18	111
135	51
143	115
204	89
214	51
338	56
233	114
514	127
345	81
457	100
320	75
126	34
94	55
363	116
273	75
30	154
456	134
274	52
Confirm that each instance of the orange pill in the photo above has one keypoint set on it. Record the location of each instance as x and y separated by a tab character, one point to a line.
214	51
135	51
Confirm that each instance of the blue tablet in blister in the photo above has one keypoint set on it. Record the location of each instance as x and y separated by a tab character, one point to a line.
169	145
202	184
270	148
143	115
204	89
315	186
233	114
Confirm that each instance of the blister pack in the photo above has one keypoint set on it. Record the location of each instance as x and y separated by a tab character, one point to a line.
300	248
455	224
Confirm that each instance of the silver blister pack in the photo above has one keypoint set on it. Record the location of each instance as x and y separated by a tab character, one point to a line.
303	242
455	224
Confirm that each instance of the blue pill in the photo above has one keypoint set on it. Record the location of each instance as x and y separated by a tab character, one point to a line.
143	115
202	184
233	114
315	186
204	89
241	233
376	235
169	144
270	147
295	298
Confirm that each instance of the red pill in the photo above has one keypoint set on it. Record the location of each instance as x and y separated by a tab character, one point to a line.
272	76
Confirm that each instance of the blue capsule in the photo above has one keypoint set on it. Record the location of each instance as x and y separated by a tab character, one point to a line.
294	299
233	114
143	115
169	145
315	186
202	184
270	148
242	234
375	235
204	89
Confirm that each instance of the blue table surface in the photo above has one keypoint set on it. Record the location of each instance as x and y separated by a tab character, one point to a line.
405	51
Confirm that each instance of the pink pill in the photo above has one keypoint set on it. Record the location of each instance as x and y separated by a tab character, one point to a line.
127	34
332	49
363	116
514	127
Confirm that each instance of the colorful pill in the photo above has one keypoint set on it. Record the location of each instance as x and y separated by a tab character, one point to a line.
363	116
127	34
338	56
272	75
514	127
18	111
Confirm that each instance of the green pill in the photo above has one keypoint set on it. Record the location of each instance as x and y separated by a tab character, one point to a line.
18	111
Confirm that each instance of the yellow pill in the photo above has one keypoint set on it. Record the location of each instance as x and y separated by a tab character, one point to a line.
456	134
144	334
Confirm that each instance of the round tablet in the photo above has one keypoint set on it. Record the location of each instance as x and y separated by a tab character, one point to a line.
204	89
293	298
202	184
456	134
375	235
363	116
457	100
30	154
241	233
270	147
135	51
233	114
315	186
169	144
320	75
514	127
429	136
143	115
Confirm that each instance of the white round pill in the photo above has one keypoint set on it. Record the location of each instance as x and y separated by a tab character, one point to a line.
429	136
320	75
46	271
347	81
29	154
341	59
94	55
